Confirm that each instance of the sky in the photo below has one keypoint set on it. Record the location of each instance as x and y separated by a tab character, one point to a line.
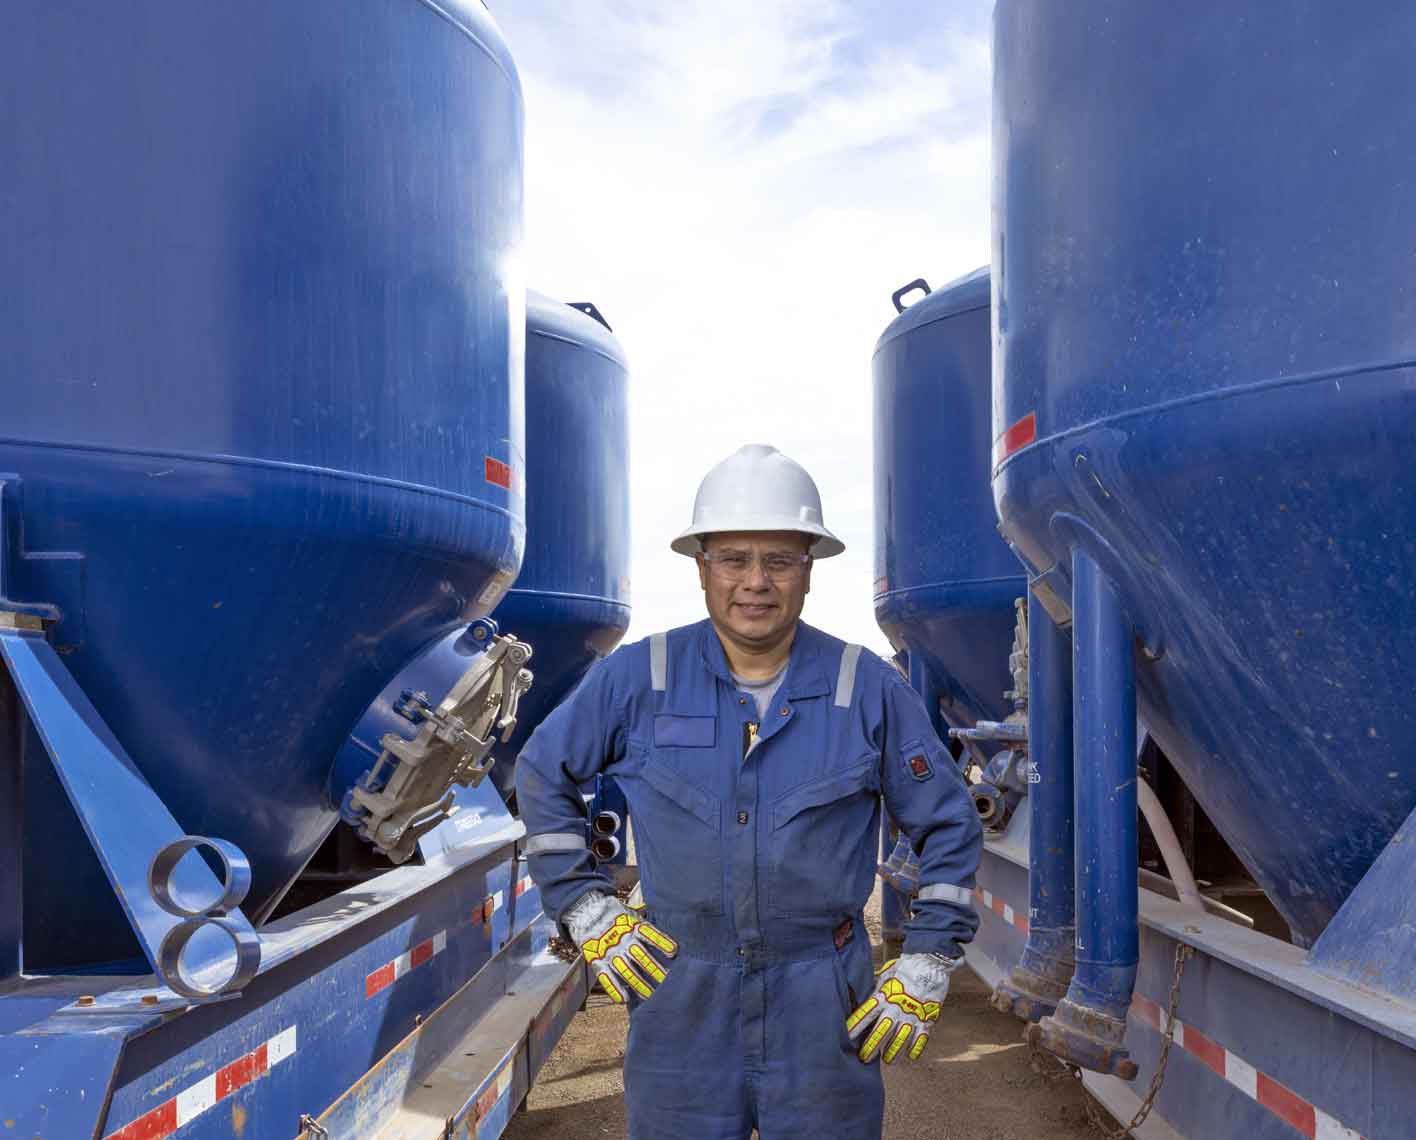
739	186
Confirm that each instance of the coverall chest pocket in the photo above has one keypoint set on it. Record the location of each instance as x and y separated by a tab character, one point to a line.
678	838
822	850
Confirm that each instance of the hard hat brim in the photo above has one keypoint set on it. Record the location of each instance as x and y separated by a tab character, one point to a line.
825	544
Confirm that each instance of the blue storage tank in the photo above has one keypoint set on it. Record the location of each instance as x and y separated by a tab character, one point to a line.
571	599
946	583
1205	383
263	432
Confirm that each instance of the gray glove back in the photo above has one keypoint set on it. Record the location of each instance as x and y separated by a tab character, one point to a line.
616	942
909	991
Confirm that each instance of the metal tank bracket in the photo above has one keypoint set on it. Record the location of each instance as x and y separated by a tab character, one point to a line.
187	921
408	791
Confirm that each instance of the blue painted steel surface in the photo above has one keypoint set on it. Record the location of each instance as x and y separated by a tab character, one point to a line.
347	982
1045	968
1104	752
128	825
1201	280
1270	1047
945	582
1090	1023
1372	940
263	355
571	599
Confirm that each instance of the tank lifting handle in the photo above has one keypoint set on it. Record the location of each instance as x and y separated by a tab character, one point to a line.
899	295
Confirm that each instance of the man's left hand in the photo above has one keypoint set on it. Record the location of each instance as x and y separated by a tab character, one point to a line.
909	991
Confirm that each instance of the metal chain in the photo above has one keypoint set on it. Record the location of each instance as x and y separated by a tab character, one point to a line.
1127	1132
1100	1123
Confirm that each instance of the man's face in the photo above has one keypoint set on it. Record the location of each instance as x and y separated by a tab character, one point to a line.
755	604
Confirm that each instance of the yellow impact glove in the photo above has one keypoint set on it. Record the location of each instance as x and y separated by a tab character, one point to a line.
909	991
616	942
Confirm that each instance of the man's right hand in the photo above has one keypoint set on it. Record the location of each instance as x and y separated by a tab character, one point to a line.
616	942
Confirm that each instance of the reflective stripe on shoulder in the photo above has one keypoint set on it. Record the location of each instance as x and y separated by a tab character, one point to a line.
947	892
845	679
659	661
555	841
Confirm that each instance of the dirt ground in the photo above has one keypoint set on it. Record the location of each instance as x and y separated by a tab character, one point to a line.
975	1082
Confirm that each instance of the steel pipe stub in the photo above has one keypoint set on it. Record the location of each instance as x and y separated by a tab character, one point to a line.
605	847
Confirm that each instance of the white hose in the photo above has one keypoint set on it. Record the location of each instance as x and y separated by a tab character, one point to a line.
1169	844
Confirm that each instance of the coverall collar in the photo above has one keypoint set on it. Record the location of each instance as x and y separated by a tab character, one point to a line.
807	670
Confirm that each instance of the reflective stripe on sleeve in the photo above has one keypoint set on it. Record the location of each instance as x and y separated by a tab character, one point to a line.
947	892
659	661
555	841
845	679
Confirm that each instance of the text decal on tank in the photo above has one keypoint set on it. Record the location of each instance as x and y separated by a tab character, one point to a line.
1015	438
498	473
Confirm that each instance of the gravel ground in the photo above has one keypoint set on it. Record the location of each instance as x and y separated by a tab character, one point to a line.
975	1082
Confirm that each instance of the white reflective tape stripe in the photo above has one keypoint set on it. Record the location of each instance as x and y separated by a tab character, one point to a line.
279	1047
439	941
194	1101
845	679
659	662
947	892
1332	1129
555	841
1242	1075
1007	914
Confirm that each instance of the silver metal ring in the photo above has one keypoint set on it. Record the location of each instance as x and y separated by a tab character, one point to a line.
246	961
235	879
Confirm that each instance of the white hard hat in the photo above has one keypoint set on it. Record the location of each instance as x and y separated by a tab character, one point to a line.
758	488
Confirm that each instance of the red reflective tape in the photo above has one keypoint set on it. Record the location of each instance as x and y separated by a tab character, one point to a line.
1210	1052
488	1101
158	1124
489	908
1015	438
1288	1106
421	953
522	886
498	473
240	1073
379	980
1148	1012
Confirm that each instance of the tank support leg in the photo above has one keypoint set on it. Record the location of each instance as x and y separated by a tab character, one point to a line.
1040	979
1089	1025
894	904
922	682
11	828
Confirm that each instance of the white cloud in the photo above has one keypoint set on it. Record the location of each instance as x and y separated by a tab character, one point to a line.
740	186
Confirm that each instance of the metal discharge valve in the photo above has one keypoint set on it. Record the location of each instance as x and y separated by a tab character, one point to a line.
408	791
1005	776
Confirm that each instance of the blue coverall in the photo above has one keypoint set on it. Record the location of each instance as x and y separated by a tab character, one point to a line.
757	857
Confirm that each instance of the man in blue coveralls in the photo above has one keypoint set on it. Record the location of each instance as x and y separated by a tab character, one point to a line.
754	752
